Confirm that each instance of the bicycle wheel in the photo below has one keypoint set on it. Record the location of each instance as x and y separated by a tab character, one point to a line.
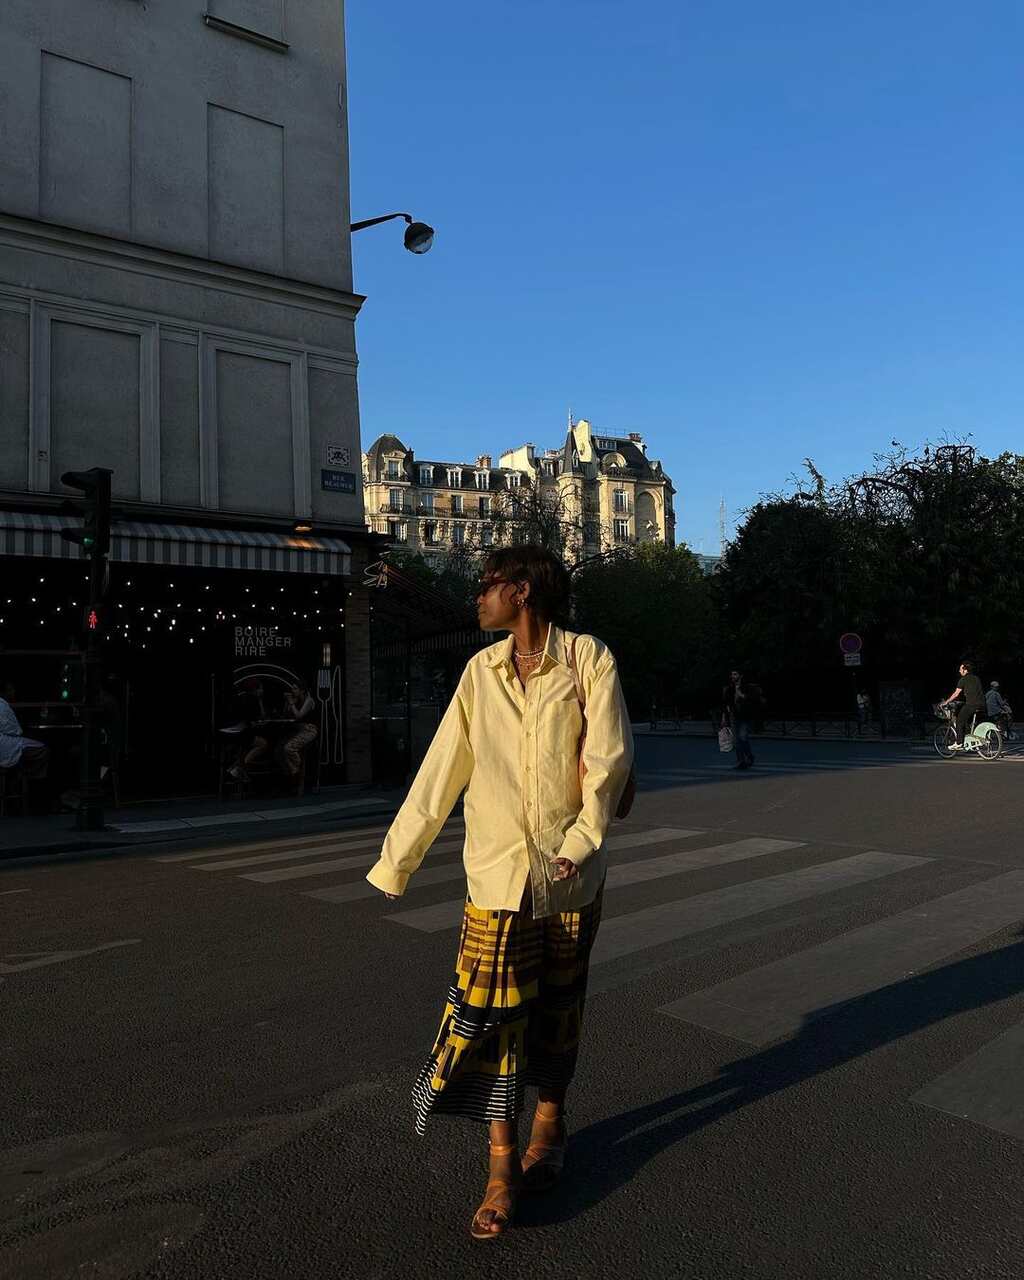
945	737
990	745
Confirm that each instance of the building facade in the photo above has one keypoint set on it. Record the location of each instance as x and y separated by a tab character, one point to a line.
176	305
603	485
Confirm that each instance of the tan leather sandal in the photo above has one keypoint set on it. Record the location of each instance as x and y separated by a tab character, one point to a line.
502	1215
543	1161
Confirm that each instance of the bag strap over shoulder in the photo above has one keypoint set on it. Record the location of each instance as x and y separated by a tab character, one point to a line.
570	653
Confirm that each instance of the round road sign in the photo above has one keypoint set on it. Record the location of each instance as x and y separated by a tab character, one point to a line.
850	642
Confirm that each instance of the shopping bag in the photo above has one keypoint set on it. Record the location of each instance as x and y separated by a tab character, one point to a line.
725	741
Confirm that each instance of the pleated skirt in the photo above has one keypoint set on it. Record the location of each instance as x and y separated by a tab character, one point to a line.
513	1014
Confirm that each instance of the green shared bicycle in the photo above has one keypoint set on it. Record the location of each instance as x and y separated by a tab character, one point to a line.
984	738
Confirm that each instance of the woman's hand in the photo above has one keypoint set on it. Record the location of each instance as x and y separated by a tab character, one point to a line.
565	869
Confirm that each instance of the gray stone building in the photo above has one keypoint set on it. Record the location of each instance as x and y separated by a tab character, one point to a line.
176	304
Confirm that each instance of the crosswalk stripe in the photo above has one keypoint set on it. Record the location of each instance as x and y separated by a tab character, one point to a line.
259	845
287	852
447	915
337	864
351	892
779	998
356	889
669	921
984	1088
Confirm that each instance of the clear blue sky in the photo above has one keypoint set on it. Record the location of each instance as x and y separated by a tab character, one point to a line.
752	231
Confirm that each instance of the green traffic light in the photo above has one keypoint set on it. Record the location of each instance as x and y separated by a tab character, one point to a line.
65	694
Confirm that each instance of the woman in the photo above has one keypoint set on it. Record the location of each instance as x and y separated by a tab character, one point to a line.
300	707
534	861
738	703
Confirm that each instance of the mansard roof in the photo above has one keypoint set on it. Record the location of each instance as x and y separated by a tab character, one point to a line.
385	444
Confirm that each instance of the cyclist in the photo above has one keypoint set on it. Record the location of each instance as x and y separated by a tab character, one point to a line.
999	710
969	694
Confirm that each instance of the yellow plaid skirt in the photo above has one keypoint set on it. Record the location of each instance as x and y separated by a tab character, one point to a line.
513	1013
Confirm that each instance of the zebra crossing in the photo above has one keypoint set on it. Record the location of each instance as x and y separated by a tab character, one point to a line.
764	1005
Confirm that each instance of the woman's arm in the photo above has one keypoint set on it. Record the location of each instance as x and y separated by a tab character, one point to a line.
607	754
441	779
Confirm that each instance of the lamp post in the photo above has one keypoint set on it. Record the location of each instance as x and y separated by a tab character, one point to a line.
418	236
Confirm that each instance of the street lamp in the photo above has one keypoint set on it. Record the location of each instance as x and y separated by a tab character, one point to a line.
418	236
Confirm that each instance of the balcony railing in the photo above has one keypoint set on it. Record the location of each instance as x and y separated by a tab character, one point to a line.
395	508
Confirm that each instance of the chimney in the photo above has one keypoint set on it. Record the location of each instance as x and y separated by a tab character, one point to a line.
638	439
484	460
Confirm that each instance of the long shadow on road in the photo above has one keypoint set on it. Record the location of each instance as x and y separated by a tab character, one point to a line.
608	1154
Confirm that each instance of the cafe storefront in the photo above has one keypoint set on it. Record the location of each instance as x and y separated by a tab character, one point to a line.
192	616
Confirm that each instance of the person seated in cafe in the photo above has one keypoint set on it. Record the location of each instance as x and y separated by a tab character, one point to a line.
251	709
17	751
300	707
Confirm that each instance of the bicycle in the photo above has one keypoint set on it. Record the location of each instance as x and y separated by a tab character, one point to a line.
984	738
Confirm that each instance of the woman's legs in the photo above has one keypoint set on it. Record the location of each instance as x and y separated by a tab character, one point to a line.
257	750
555	1036
504	1174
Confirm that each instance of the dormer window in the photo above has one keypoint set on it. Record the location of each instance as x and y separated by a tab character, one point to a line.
514	479
454	477
426	475
483	479
394	469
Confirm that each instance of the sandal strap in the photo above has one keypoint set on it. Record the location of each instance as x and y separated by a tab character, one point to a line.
544	1146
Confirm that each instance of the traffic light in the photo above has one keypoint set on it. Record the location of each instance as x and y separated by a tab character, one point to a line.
72	683
94	535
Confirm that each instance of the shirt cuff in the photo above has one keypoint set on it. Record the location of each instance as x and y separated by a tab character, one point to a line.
382	877
576	848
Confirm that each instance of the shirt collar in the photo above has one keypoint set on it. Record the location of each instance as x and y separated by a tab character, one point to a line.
554	648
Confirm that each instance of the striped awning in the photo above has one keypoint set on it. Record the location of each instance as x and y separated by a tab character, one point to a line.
22	534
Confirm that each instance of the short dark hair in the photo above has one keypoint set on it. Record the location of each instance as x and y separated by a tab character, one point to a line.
550	584
966	662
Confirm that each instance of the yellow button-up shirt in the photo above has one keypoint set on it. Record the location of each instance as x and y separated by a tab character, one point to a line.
513	750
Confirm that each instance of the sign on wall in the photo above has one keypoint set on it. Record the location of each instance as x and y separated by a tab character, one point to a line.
338	481
257	642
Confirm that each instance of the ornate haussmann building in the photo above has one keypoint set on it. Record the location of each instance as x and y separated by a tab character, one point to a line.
604	485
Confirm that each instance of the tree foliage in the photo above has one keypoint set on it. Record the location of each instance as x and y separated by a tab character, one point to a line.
656	610
923	556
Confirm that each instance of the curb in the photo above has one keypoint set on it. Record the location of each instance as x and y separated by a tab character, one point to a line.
115	843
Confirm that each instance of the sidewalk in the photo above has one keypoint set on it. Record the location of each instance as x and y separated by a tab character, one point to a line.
194	818
796	731
789	730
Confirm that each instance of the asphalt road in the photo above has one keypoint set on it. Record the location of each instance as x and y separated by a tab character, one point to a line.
803	1053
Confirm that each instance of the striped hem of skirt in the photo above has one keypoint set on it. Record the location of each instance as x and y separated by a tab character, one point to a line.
475	1096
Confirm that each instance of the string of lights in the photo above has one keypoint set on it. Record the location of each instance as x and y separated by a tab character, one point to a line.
138	610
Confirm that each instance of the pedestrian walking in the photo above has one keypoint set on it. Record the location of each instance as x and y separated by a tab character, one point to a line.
863	710
739	707
538	737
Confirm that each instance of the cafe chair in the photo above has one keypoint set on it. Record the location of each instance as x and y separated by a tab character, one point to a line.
13	790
